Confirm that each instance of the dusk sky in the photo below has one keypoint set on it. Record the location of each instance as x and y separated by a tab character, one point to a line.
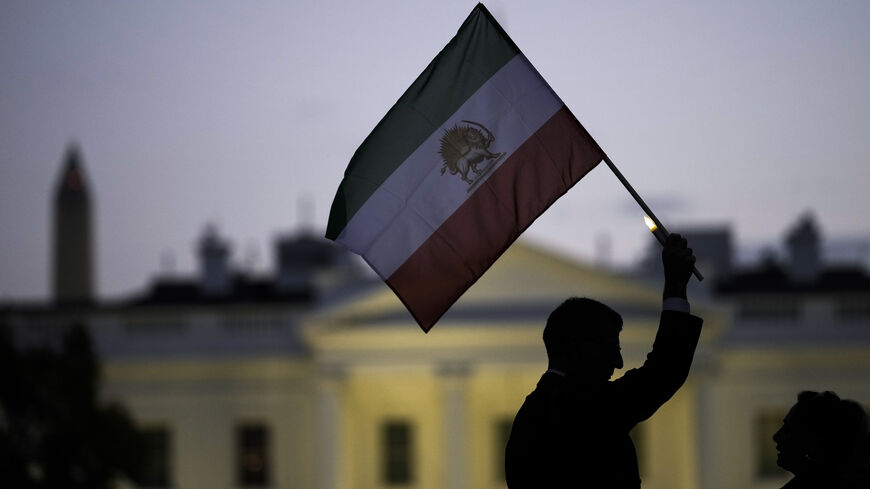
744	113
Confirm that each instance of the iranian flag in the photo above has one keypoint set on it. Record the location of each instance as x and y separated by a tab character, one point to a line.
471	154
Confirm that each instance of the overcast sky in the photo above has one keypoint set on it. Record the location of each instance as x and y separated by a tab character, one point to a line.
740	113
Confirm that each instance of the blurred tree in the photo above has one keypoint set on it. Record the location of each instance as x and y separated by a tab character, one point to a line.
54	432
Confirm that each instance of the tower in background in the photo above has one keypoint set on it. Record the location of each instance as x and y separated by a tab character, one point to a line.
803	244
73	233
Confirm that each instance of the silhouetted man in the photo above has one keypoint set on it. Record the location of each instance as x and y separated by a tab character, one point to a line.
572	431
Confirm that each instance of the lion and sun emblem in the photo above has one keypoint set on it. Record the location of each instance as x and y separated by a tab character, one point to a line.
465	151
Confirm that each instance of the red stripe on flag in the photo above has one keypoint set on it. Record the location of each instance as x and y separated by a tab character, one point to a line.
540	171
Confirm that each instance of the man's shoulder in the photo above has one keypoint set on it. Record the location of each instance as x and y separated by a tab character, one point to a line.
543	388
549	388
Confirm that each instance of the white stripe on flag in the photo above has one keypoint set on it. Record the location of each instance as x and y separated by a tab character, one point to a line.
416	199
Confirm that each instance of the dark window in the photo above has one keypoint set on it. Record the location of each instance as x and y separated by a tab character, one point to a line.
501	434
155	471
154	326
767	423
253	455
397	447
853	309
770	309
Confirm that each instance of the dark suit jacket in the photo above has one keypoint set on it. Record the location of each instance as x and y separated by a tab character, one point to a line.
572	435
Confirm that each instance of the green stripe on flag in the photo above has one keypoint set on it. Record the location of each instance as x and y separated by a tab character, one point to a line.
478	50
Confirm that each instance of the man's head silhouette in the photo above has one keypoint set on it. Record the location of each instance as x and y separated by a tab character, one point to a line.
582	340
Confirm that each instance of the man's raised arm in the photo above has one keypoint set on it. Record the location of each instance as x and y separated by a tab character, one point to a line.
646	388
678	261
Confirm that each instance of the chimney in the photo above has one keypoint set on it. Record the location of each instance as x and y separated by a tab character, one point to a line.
804	255
214	263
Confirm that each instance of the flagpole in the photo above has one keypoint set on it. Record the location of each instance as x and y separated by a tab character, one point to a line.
643	206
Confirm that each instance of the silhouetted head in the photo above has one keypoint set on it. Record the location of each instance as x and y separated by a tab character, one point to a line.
582	339
823	434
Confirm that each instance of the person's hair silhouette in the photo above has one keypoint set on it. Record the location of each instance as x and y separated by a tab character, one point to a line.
573	430
824	441
582	338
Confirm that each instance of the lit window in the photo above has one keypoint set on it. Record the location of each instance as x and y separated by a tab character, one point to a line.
155	470
397	446
253	455
767	423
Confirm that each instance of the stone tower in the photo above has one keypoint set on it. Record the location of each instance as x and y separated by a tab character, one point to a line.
73	233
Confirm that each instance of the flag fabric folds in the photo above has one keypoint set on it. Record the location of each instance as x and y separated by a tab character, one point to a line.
470	155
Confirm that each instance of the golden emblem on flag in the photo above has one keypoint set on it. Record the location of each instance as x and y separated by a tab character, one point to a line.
465	150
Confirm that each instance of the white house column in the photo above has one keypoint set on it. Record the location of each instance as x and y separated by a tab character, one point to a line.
329	426
454	378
